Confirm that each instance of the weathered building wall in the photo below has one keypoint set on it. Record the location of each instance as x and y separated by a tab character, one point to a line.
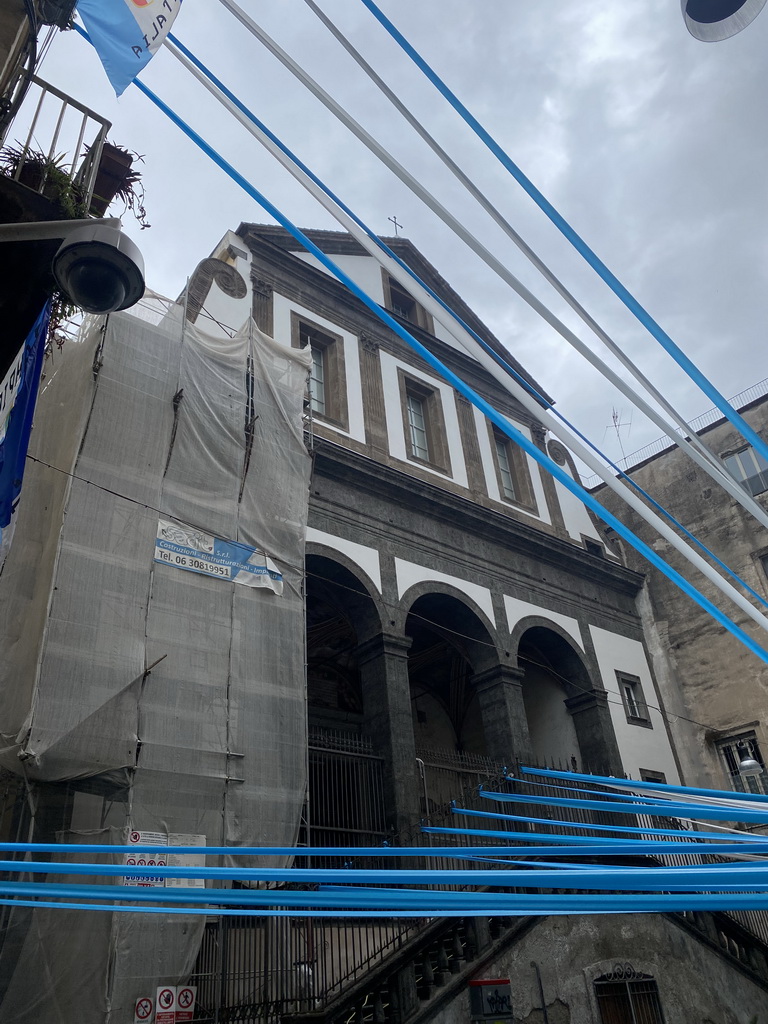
695	984
707	675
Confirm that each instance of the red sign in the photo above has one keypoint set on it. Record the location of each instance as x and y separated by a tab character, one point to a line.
143	1010
185	1003
166	1005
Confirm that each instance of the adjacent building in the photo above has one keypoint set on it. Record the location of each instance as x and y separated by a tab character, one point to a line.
716	689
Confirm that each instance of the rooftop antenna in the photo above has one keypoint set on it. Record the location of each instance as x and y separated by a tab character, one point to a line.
617	426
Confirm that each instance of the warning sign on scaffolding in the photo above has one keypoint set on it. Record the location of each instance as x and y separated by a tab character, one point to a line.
185	547
185	1003
186	860
143	862
166	1005
142	1012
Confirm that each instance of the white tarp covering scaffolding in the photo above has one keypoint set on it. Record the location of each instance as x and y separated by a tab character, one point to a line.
146	423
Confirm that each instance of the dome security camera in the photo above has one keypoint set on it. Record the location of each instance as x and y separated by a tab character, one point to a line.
714	20
99	269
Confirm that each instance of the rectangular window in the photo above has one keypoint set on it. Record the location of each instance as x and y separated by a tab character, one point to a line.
327	383
749	468
628	997
423	423
732	752
511	470
317	381
417	424
633	699
508	489
400	302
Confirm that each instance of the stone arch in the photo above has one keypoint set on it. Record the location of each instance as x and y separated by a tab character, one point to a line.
566	707
463	712
341	613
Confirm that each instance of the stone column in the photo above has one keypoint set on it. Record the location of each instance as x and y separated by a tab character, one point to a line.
505	726
594	731
383	662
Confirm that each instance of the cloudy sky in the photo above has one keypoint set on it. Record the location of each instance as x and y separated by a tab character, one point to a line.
652	144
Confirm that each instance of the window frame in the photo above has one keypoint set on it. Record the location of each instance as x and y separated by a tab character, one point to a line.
518	465
727	752
643	718
305	332
624	979
760	473
434	422
420	318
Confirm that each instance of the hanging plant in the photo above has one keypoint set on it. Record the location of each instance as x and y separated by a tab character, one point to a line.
117	178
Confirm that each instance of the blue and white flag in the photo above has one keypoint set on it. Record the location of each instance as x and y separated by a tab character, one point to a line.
127	33
15	440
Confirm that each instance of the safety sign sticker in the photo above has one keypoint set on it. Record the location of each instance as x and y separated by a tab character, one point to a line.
166	1005
142	1013
185	547
144	862
185	1003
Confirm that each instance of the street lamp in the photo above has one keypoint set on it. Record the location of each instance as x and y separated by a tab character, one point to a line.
748	766
713	20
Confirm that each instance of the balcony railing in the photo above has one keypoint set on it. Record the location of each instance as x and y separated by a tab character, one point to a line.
55	134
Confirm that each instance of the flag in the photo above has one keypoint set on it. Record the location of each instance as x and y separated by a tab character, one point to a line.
14	445
127	33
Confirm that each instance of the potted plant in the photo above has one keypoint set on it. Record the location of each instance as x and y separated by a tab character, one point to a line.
45	175
116	178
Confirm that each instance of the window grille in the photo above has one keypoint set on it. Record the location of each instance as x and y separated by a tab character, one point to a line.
625	996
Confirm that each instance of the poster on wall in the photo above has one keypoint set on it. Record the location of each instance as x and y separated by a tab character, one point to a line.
187	548
140	865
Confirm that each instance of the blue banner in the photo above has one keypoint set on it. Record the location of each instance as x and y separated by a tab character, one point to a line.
127	33
14	445
184	547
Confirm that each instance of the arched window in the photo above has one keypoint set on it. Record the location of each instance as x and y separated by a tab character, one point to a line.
626	996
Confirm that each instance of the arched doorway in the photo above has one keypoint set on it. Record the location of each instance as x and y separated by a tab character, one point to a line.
346	793
568	719
450	645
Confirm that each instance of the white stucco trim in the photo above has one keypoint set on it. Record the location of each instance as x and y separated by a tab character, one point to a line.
639	747
282	309
517	610
408	574
394	416
367	558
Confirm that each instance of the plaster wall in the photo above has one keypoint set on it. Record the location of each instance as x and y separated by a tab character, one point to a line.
409	574
695	984
577	520
640	747
518	610
367	558
221	311
364	271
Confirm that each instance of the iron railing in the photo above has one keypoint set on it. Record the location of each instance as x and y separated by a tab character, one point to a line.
61	136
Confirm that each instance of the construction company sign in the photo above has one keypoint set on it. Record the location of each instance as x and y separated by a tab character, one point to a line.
185	547
143	862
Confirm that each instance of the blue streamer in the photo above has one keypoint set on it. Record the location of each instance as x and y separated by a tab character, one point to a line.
706	811
478	340
497	816
663	787
575	239
503	425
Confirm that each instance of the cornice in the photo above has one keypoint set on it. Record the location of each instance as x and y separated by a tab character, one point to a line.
335	462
